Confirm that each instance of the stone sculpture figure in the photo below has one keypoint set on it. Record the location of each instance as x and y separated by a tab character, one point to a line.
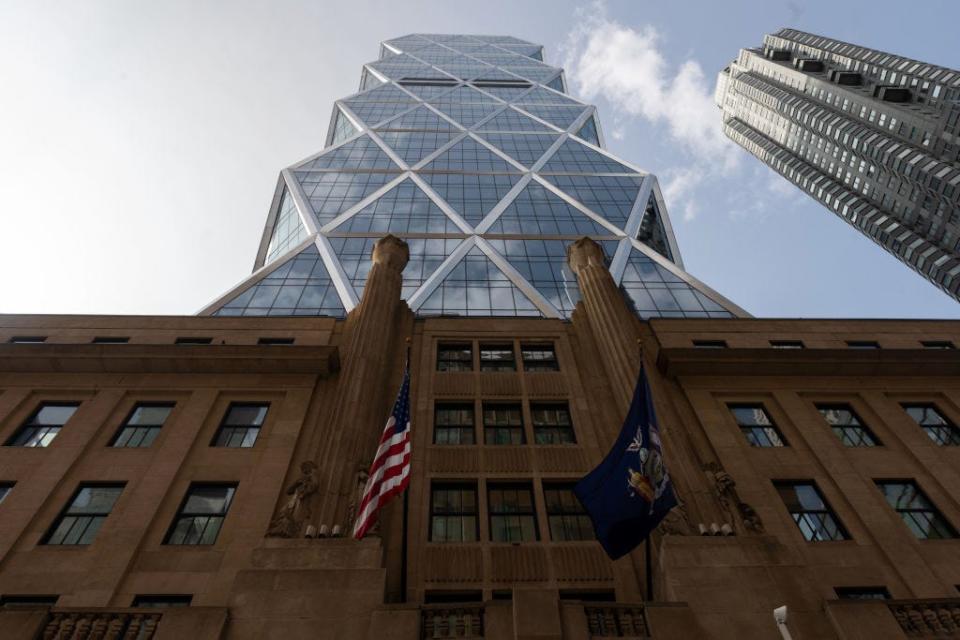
289	521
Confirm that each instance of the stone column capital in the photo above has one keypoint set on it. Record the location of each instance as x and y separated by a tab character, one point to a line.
583	253
391	252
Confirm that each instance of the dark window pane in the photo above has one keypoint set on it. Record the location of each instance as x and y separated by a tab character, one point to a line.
810	511
241	425
917	512
453	513
201	515
539	357
847	425
552	423
503	424
937	427
82	519
454	357
453	424
497	358
756	426
512	517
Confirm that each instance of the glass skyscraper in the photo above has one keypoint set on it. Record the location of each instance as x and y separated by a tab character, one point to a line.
469	149
873	136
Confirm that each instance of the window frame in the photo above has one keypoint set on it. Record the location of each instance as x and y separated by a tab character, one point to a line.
952	437
276	341
827	510
538	363
874	441
110	340
220	441
180	514
862	593
751	438
161	600
551	428
6	487
864	345
492	513
460	429
440	485
937	515
193	340
787	344
152	431
944	345
581	518
710	344
64	513
26	424
443	364
512	429
495	365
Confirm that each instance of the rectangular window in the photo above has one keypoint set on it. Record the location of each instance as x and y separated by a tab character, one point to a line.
28	339
757	426
13	602
455	357
862	593
142	425
512	516
786	344
5	488
241	425
937	427
110	340
162	601
552	424
453	424
201	515
565	515
937	344
919	514
82	519
810	511
497	357
539	357
193	340
43	426
862	344
847	425
503	424
710	344
453	513
276	341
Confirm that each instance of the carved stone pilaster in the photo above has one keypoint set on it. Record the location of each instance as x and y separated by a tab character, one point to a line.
363	390
612	324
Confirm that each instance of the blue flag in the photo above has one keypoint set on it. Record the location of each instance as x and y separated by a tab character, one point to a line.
630	492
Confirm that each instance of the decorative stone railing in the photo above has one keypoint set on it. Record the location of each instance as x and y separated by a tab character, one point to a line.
928	618
100	625
616	621
445	621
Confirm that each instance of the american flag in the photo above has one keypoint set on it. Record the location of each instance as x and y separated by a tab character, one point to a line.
390	471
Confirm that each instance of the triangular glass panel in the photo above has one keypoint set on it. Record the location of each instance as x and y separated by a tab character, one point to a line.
504	92
611	197
468	71
403	209
531	51
656	292
362	153
477	287
472	195
469	155
466	114
342	128
556	83
652	232
539	95
524	148
373	113
510	120
288	230
428	91
299	287
576	157
543	263
420	118
557	115
497	74
332	192
464	94
537	211
537	74
368	80
589	132
382	93
426	254
414	146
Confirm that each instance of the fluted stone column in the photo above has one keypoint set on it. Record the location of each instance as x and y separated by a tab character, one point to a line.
364	391
611	322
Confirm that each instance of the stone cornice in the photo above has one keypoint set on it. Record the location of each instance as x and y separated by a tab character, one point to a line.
146	358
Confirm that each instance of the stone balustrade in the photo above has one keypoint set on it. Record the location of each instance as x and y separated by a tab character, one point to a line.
101	625
616	621
928	618
443	621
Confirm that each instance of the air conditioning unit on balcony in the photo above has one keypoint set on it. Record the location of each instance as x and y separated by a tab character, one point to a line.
849	78
809	65
892	93
780	55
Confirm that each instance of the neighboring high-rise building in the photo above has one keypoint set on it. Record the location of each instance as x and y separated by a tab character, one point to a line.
873	136
194	477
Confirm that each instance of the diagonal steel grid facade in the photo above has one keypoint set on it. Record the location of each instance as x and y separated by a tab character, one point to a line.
468	148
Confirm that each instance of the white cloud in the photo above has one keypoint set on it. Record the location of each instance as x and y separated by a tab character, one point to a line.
625	66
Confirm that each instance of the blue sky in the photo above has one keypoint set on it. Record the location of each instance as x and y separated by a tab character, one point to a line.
142	141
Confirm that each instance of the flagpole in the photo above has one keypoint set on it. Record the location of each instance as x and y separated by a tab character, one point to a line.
403	534
648	569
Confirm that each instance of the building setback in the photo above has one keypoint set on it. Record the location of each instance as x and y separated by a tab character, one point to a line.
872	136
193	477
